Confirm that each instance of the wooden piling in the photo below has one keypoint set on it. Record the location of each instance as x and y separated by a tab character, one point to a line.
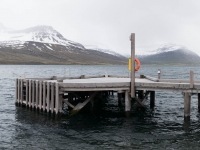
37	94
44	96
48	99
57	98
133	65
33	93
52	97
30	88
119	98
21	91
187	100
27	94
127	102
16	91
152	99
40	95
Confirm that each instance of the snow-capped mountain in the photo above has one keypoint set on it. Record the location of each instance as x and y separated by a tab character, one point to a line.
44	34
44	45
169	54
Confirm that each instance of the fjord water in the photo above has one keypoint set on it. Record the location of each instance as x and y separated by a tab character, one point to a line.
160	128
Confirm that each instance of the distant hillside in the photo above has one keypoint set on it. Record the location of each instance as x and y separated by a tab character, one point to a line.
170	54
44	45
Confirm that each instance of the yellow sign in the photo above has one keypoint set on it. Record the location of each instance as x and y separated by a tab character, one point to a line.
129	64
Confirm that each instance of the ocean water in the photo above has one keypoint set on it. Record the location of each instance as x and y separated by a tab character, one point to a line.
162	127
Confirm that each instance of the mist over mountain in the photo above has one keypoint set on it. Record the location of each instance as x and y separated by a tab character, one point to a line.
169	54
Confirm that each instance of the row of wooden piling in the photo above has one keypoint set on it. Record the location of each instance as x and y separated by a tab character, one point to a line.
41	95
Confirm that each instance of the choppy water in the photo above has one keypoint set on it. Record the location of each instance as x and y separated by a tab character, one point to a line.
160	128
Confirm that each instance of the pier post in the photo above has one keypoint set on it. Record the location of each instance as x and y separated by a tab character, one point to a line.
140	94
36	93
119	95
40	95
187	100
52	97
127	102
48	99
21	91
33	93
132	38
16	91
199	101
57	98
30	88
44	96
152	99
27	93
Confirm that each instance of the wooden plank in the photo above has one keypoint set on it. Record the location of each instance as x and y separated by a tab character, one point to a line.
79	106
68	103
139	102
19	91
27	92
36	94
40	95
52	97
48	99
133	65
60	103
16	90
33	93
30	96
44	96
94	89
57	98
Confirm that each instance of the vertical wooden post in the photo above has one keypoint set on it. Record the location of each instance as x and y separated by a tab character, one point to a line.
44	96
191	79
57	98
127	102
199	101
27	94
37	94
48	99
133	65
16	90
21	91
52	97
159	73
40	95
33	93
119	98
187	100
140	94
30	88
60	103
152	99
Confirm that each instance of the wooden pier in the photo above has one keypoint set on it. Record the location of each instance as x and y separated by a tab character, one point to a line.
49	94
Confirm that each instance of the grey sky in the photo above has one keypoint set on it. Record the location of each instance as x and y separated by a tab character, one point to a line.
109	23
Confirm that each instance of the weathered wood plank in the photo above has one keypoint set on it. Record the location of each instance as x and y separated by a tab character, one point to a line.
44	96
52	97
68	103
79	106
57	98
48	99
30	96
37	94
33	93
40	95
127	102
27	92
16	90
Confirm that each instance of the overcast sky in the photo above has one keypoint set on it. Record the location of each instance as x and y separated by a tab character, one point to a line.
109	23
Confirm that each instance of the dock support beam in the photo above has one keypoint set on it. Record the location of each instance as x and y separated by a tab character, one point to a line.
127	102
187	100
132	38
152	99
